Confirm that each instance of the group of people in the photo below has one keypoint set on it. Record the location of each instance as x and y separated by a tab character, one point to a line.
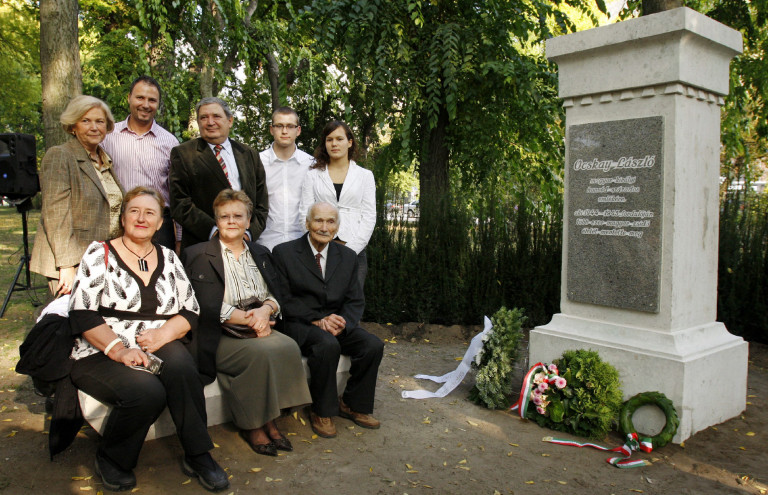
271	268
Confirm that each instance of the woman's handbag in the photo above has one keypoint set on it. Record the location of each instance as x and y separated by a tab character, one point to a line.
243	331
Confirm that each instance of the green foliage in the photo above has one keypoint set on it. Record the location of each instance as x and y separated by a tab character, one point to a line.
589	404
20	106
495	361
742	303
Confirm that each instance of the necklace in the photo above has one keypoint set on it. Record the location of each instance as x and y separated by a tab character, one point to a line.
142	259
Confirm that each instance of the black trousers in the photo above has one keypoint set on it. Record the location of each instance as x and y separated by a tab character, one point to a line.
323	351
138	398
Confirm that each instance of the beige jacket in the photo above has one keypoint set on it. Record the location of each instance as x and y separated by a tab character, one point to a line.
75	209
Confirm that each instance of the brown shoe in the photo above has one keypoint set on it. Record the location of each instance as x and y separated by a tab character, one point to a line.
360	419
323	427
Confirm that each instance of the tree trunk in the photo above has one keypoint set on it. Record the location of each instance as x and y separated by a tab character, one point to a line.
433	179
656	6
206	79
273	72
60	72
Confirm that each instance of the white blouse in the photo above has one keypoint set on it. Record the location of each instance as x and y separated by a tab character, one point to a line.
356	204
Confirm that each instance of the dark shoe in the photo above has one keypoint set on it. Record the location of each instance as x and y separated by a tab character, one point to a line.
207	471
260	448
360	419
323	427
282	443
114	478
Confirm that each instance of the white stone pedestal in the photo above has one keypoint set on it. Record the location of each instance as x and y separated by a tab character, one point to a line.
672	65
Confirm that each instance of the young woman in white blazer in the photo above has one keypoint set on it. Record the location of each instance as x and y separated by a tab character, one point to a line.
337	179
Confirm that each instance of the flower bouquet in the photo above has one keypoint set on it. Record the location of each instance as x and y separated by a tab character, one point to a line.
578	393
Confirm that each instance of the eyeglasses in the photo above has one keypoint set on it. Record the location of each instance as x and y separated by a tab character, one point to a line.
232	218
289	127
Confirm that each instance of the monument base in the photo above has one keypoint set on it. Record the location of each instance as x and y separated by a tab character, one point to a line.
702	370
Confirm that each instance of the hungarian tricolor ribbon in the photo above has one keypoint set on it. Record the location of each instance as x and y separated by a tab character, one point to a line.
632	444
525	391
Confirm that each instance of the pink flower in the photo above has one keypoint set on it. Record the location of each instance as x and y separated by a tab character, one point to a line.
543	387
536	391
560	382
552	368
537	400
540	410
539	377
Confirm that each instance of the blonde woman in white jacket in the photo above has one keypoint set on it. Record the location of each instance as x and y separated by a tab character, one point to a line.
335	178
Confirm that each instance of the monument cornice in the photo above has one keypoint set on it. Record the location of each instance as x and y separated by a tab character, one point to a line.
680	46
651	91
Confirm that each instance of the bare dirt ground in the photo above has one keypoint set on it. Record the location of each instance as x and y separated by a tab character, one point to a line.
432	446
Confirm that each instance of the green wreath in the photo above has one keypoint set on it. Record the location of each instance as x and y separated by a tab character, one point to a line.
661	401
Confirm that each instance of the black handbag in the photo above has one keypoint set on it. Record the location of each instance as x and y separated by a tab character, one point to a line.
242	331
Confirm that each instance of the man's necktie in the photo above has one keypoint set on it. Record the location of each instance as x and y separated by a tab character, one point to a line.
319	266
220	158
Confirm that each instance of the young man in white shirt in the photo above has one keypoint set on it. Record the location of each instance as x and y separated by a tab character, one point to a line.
285	165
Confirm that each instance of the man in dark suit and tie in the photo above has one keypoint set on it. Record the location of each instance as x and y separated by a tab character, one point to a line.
203	167
322	305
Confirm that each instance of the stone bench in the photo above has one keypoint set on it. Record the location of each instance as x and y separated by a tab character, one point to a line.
95	412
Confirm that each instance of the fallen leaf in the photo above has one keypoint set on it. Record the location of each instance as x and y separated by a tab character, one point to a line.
86	488
411	471
445	463
7	420
635	490
295	415
408	466
544	455
215	445
11	434
509	454
426	421
370	469
291	434
472	423
268	479
750	433
305	440
255	470
742	448
328	451
463	461
303	423
314	437
529	482
427	341
465	468
514	444
186	482
563	482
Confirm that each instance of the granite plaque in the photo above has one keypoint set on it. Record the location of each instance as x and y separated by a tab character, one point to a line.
614	213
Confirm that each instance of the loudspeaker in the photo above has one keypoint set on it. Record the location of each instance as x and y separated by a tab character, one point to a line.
18	166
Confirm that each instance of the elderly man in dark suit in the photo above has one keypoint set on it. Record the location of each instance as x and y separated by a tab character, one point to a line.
323	303
203	167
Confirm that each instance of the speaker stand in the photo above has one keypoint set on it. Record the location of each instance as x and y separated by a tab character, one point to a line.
22	207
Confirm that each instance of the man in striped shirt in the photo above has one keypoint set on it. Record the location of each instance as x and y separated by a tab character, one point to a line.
141	151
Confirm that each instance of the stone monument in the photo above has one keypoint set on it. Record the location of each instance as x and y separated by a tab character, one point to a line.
639	278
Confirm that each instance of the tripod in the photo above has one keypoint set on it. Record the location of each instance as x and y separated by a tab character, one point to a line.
23	206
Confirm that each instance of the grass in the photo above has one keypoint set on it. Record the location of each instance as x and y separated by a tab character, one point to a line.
19	315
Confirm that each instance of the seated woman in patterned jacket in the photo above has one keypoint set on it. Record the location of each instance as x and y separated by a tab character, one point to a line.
132	303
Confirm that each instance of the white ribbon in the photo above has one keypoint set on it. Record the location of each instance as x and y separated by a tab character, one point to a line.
452	379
